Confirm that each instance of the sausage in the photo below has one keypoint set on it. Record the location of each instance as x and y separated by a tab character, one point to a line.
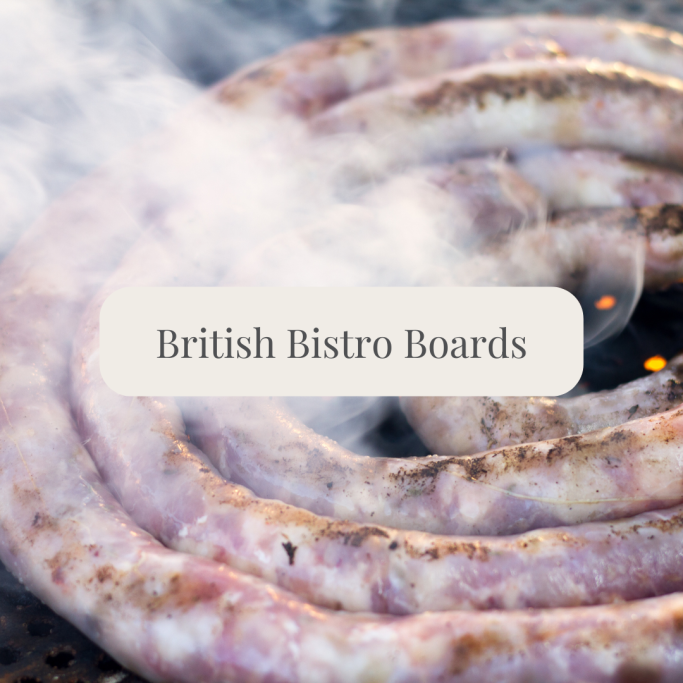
172	616
597	178
515	105
472	108
172	490
470	425
308	78
605	474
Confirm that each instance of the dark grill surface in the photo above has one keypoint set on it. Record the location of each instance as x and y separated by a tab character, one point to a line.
36	645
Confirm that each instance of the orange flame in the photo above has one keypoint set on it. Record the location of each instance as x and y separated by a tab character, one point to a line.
604	303
655	363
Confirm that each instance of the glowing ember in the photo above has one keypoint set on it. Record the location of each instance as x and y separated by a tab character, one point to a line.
655	363
604	303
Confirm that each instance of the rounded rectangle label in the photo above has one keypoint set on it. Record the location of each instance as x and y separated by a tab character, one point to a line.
365	341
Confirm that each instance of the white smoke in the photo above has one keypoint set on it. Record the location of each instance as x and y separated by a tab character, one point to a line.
83	81
68	103
80	81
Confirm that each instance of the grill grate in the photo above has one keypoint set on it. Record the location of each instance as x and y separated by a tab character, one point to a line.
37	646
